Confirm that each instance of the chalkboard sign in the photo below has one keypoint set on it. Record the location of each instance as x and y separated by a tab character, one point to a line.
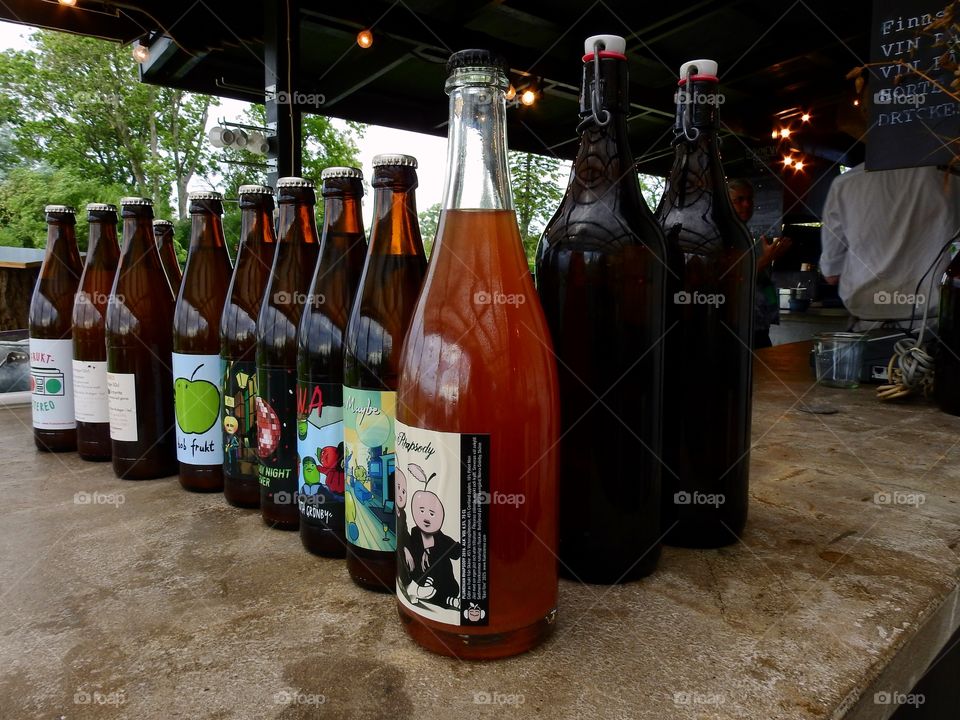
912	121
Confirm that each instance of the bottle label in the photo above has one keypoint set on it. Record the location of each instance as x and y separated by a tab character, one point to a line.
320	452
368	417
90	391
238	379
277	433
443	524
122	406
196	403
51	384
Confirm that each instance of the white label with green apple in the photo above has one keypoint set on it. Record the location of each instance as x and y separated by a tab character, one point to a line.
196	400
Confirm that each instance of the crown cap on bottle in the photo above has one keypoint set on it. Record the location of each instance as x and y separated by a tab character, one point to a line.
295	182
136	201
204	195
476	57
611	44
101	207
60	209
344	172
255	190
162	223
698	67
394	159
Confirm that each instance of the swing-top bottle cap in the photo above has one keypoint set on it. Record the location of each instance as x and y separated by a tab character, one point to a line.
394	159
609	43
159	222
295	182
698	67
60	209
341	172
204	195
101	207
136	201
255	190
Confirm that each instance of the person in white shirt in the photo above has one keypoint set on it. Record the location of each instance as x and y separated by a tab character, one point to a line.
881	231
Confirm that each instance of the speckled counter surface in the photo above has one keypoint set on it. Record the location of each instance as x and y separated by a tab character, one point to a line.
155	603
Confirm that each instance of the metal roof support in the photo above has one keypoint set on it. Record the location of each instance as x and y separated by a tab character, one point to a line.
281	57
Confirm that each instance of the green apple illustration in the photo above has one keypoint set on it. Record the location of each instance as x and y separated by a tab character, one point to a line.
302	428
197	404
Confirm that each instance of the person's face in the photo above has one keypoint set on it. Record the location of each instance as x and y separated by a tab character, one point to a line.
742	199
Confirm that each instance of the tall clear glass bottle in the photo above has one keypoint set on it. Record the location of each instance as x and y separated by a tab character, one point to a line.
478	411
708	361
601	275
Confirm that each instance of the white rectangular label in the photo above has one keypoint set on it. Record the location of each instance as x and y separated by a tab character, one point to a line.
122	402
196	400
90	391
51	384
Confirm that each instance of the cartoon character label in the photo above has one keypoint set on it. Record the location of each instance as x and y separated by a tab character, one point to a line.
443	522
51	383
238	381
320	453
196	402
276	409
122	406
90	391
368	417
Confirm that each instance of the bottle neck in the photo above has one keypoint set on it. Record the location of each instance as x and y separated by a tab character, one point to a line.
138	237
396	230
297	223
102	245
477	175
697	154
604	159
206	230
62	240
256	224
341	214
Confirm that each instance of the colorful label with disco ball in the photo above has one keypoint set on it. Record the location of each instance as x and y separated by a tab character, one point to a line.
320	453
370	516
276	408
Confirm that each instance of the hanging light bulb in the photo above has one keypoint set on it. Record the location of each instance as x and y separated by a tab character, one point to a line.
68	3
141	53
365	38
856	103
787	160
528	97
775	134
511	92
805	117
798	166
785	132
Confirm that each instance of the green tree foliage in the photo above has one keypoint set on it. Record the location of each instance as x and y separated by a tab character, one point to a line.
25	191
537	190
429	220
77	103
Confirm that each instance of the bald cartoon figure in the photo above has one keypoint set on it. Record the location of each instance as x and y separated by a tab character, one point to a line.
431	552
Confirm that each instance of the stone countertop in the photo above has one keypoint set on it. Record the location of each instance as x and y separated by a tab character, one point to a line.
140	600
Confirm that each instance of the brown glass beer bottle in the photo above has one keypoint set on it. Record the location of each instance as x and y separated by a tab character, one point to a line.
163	230
392	277
139	348
283	300
89	334
196	347
238	346
320	448
51	344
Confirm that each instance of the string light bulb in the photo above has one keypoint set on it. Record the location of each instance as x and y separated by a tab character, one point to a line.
805	117
775	134
785	132
141	53
365	38
798	166
787	160
68	3
528	97
856	103
511	92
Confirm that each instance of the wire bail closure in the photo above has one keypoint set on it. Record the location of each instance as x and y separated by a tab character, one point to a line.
595	102
690	131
